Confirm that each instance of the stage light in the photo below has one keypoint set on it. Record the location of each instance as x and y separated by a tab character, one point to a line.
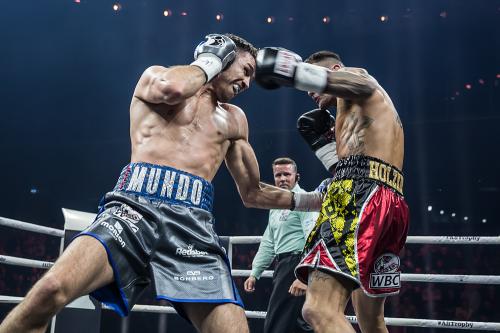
184	13
441	212
484	221
290	18
429	208
466	218
167	13
219	17
384	18
326	19
453	214
270	19
443	14
481	81
117	7
468	86
33	190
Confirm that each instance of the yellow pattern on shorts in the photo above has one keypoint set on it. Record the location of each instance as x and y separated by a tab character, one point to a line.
339	209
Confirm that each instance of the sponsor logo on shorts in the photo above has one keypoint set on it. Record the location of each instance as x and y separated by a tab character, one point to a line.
387	273
190	252
193	276
115	231
174	185
459	324
128	215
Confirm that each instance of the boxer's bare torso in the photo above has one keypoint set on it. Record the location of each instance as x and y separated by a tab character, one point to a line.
367	122
370	127
194	137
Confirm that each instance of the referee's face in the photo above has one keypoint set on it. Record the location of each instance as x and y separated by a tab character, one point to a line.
285	176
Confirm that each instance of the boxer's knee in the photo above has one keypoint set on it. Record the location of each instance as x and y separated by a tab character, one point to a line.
314	314
49	294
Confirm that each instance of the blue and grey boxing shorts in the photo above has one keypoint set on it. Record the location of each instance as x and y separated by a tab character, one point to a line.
157	226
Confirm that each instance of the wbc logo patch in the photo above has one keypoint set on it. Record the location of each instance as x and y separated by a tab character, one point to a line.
386	272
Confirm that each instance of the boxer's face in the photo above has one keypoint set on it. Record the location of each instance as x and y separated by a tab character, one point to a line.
325	101
236	78
285	176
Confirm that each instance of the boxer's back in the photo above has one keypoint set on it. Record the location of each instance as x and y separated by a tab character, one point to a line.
370	127
193	136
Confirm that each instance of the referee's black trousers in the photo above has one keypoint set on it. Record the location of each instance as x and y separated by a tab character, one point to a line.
284	312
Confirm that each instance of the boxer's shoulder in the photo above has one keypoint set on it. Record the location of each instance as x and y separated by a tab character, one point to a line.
236	120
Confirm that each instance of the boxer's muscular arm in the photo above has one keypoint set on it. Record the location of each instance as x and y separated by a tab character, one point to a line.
350	84
169	85
280	67
244	168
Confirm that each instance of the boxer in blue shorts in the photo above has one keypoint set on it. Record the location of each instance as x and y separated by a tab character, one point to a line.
156	225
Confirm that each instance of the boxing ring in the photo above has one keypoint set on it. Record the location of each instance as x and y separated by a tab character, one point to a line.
79	220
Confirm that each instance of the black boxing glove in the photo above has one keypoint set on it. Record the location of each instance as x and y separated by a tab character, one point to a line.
278	67
214	54
317	127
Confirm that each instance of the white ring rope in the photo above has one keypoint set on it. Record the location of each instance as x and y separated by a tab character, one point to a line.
485	240
435	278
467	325
431	278
16	261
30	227
408	322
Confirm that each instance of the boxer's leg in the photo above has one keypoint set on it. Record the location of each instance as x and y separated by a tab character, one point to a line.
82	268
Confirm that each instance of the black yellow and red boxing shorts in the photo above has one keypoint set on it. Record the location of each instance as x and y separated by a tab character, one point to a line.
361	228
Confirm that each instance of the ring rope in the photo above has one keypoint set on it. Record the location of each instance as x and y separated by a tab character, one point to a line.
30	227
485	240
17	261
435	278
408	322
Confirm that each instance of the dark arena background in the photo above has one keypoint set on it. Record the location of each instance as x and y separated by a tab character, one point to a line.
68	70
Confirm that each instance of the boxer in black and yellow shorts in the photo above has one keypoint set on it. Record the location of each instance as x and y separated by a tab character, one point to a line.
362	227
157	226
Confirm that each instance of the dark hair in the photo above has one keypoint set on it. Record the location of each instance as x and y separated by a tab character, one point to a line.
320	55
243	44
285	160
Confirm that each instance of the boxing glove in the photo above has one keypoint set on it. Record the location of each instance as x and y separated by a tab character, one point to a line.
278	67
214	54
317	127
